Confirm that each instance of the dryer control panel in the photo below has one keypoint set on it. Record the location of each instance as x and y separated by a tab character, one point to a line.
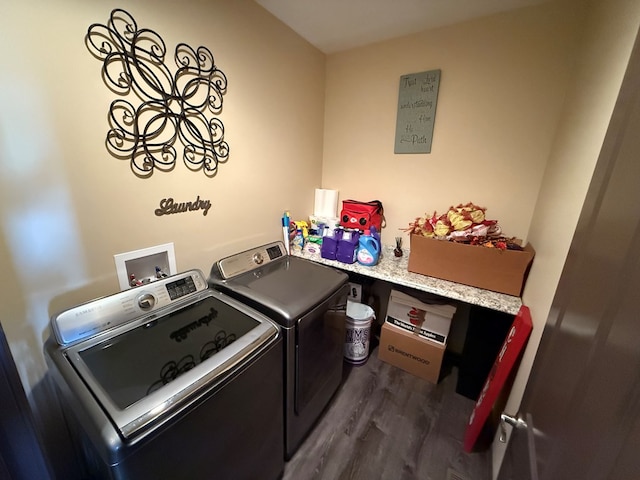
89	319
248	260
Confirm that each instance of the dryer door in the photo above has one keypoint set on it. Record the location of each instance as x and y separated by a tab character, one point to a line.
319	351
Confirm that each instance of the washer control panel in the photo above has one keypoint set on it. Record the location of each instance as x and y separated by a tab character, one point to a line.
89	319
248	260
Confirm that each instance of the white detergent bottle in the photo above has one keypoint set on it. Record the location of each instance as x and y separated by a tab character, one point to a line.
368	249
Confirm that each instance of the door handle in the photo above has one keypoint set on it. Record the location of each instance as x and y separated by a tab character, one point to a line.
514	421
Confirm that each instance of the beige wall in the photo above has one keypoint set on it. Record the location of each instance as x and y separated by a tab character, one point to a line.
67	206
503	82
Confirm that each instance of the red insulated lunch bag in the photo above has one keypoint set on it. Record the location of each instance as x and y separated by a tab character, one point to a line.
362	215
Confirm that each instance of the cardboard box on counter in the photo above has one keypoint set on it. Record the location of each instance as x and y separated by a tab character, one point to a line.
493	269
410	352
430	321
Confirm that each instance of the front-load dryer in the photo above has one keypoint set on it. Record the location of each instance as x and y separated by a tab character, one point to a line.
309	302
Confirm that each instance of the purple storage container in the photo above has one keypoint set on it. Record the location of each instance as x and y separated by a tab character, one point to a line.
329	246
348	246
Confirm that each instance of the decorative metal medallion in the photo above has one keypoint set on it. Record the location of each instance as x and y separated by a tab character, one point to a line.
168	108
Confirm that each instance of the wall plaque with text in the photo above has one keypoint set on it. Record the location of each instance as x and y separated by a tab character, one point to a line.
417	101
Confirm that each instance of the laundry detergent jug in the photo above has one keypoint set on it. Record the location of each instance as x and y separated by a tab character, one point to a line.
368	249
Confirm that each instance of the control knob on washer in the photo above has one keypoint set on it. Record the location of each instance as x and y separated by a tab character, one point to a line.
258	258
146	301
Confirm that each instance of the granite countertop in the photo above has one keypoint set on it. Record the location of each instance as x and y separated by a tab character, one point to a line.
394	270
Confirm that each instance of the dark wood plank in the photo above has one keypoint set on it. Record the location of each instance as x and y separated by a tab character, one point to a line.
384	423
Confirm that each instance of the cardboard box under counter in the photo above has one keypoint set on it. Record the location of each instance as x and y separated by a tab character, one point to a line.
430	321
503	271
410	352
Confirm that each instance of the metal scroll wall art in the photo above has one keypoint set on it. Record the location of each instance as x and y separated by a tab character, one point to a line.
163	109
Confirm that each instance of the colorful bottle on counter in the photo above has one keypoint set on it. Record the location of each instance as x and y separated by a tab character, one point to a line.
368	249
298	241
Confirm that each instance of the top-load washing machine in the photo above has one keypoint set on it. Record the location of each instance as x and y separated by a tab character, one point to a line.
309	301
171	380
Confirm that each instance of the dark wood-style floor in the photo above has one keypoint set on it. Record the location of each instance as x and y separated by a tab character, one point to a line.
384	423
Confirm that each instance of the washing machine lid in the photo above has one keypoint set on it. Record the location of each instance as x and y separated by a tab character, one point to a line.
286	286
143	371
